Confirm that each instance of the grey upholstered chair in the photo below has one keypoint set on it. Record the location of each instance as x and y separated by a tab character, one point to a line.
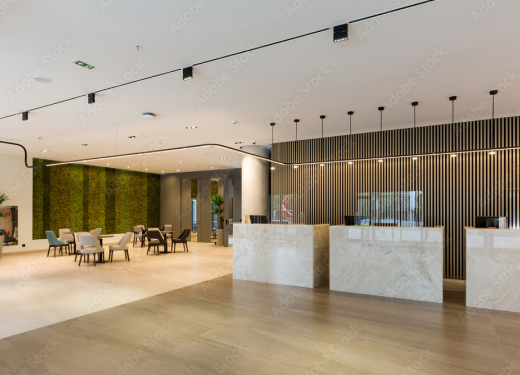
122	245
183	239
139	234
168	231
90	245
156	239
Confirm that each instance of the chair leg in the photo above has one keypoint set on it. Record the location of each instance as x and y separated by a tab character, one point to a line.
48	251
127	255
111	256
80	257
187	246
76	257
54	251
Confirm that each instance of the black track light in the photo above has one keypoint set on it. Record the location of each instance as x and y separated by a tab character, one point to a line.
381	109
91	98
296	121
187	73
453	98
493	93
340	33
414	105
25	116
272	132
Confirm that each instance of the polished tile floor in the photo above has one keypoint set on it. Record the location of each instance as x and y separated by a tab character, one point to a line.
36	290
184	314
226	326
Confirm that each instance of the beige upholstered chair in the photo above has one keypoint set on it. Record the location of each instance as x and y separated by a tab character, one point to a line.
78	246
121	246
168	231
66	235
90	245
94	232
138	234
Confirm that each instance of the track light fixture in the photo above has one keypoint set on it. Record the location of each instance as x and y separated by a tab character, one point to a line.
25	116
340	33
91	98
322	117
414	105
187	73
272	131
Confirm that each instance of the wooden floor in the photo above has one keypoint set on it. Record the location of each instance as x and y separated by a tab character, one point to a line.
36	290
225	326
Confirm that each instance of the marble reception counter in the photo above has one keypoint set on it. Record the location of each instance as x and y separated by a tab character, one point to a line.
493	269
296	255
399	262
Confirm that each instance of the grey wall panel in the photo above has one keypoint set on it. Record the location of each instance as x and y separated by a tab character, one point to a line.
204	208
170	203
186	213
455	190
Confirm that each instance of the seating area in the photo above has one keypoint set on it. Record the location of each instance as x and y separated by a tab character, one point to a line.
84	244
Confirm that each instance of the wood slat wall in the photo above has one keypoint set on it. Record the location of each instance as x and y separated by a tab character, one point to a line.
455	190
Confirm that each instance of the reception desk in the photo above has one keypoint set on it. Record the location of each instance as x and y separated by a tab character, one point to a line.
398	262
296	255
493	269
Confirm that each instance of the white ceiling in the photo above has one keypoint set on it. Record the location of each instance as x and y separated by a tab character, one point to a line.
363	72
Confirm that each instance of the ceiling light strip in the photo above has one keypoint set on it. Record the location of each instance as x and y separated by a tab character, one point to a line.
393	11
183	148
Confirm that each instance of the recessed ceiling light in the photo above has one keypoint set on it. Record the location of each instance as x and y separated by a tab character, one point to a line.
185	149
39	137
222	158
108	164
178	170
415	158
84	144
42	79
44	151
146	169
144	165
453	156
380	161
239	143
350	163
295	167
162	171
128	167
211	167
191	127
132	136
273	168
181	162
148	115
492	153
322	165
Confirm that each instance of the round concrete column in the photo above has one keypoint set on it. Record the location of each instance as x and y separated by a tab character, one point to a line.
255	182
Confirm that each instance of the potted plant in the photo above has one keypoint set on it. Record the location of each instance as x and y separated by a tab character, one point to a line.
218	203
3	198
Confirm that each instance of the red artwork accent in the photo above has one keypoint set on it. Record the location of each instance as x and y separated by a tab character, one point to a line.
8	214
287	207
8	233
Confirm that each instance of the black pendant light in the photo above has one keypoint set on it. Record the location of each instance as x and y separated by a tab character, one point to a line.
453	98
322	117
381	109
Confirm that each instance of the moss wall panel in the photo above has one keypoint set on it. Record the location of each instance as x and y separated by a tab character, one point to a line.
124	203
76	197
94	189
82	197
38	231
59	215
110	201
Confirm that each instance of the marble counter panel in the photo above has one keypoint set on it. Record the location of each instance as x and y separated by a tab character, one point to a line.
296	255
393	262
493	269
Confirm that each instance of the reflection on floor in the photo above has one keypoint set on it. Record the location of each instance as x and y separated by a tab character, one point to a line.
36	291
240	327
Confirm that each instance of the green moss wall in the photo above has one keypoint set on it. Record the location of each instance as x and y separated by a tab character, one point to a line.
83	197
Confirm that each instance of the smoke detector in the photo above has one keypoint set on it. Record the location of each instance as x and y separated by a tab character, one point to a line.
148	115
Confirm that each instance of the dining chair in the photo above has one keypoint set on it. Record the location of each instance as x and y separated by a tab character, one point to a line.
54	242
90	245
8	238
139	234
183	239
99	229
76	242
122	245
168	231
66	235
155	239
94	232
